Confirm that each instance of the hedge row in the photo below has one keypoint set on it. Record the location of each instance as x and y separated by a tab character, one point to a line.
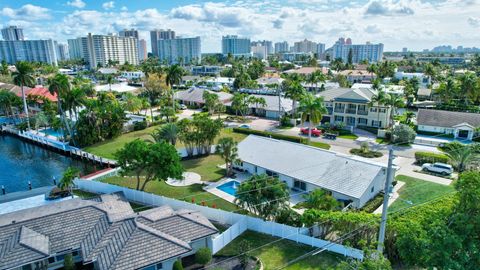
271	135
429	157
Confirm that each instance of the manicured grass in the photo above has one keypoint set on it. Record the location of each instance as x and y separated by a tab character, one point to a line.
417	191
277	254
381	141
206	167
194	192
348	136
320	145
108	148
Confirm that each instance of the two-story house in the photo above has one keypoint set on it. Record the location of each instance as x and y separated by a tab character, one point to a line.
353	107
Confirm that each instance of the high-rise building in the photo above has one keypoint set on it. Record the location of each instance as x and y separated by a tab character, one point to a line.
371	52
62	51
180	50
305	46
142	50
13	51
129	33
320	50
156	35
259	51
235	46
281	47
78	48
266	43
12	33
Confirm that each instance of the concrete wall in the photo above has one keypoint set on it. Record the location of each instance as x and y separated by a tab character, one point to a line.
436	129
378	185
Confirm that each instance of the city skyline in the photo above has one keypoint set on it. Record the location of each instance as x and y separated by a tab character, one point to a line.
404	23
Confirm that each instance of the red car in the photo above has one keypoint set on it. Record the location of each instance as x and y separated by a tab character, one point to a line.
315	132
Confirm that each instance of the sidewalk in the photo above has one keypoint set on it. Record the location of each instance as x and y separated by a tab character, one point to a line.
395	195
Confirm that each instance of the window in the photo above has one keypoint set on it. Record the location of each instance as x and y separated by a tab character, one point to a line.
338	118
300	185
59	257
362	121
256	169
373	109
376	123
75	253
159	266
51	260
382	110
372	189
270	173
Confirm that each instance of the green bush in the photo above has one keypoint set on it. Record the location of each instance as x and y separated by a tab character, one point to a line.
271	135
140	125
373	204
366	154
177	265
203	256
430	157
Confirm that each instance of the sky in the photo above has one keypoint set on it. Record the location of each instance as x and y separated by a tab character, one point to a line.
415	24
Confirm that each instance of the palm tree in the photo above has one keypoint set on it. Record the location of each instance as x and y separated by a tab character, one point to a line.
394	101
409	115
462	155
168	132
257	101
293	90
313	108
227	149
315	77
60	86
74	99
23	77
174	76
430	71
378	100
68	179
110	81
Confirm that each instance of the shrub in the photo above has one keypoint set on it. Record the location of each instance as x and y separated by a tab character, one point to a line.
373	204
139	125
429	157
68	263
368	154
270	134
203	256
403	134
177	265
285	121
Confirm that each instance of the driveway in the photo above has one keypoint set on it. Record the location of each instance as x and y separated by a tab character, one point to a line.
408	168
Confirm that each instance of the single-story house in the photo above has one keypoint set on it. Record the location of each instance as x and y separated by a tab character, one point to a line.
461	125
269	80
108	71
306	70
424	93
194	96
275	107
117	87
422	78
306	168
358	76
102	233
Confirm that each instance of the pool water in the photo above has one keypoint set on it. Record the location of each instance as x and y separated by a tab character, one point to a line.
230	187
52	132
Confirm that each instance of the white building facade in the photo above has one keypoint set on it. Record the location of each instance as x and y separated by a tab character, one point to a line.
43	51
180	50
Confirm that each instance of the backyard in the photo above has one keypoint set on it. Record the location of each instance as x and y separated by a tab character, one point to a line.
417	191
276	255
108	148
206	167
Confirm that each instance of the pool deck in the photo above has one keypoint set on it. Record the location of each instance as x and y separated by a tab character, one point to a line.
24	194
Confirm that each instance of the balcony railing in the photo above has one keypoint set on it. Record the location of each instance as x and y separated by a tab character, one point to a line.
340	110
351	111
362	112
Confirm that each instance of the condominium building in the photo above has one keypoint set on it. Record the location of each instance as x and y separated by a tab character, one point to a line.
320	50
129	33
305	46
259	51
180	50
281	47
156	35
266	43
142	50
13	51
62	51
12	33
371	52
77	48
235	46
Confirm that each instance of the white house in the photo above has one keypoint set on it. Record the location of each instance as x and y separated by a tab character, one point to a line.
423	79
130	75
461	125
306	168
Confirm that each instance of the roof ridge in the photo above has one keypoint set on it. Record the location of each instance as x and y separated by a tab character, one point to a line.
183	215
7	245
163	235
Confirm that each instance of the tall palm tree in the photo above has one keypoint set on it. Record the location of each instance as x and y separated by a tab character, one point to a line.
462	155
60	86
293	90
110	81
68	179
174	76
313	108
22	77
377	101
227	149
168	132
316	77
394	101
74	99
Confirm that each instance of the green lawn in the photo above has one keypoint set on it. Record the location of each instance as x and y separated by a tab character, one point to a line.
206	167
348	136
320	145
107	148
417	191
194	192
276	255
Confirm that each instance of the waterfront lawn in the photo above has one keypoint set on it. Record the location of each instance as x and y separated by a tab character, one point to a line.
417	191
206	167
108	148
194	192
276	255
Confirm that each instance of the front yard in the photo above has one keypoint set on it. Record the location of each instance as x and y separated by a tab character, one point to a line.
417	191
276	255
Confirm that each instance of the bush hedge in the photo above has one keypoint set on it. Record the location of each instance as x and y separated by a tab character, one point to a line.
373	204
203	256
368	154
430	157
140	125
271	135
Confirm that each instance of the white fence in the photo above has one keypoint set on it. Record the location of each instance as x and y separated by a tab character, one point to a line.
239	223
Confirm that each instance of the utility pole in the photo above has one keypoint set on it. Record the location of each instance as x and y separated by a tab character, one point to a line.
383	222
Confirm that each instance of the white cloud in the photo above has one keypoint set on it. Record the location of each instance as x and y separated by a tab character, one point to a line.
108	5
124	8
388	8
76	3
27	12
474	21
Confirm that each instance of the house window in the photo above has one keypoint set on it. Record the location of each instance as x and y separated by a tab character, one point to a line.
372	189
382	110
376	123
270	173
362	121
373	109
51	260
300	185
256	169
338	118
159	266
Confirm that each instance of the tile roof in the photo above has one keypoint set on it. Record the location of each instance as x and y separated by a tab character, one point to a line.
347	175
106	230
196	95
362	95
43	92
448	119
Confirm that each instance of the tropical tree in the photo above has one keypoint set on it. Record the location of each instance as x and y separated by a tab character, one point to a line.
110	81
4	68
377	100
23	76
168	132
294	90
447	90
430	71
174	77
74	99
8	100
67	181
60	86
158	161
257	100
461	155
227	149
394	102
403	134
469	87
41	120
263	195
321	200
240	103
211	100
132	103
155	87
311	108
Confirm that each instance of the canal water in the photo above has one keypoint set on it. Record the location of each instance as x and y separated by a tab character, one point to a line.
21	162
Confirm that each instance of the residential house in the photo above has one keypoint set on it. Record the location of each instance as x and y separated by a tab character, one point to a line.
461	125
194	96
352	107
423	79
306	70
102	233
274	109
424	93
358	76
206	70
305	168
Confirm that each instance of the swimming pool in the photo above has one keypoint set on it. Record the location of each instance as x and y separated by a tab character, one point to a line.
229	187
52	132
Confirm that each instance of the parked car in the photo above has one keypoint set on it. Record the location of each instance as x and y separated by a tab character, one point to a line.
244	126
315	132
183	107
438	167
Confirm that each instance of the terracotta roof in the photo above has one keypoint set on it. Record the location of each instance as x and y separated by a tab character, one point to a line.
42	92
